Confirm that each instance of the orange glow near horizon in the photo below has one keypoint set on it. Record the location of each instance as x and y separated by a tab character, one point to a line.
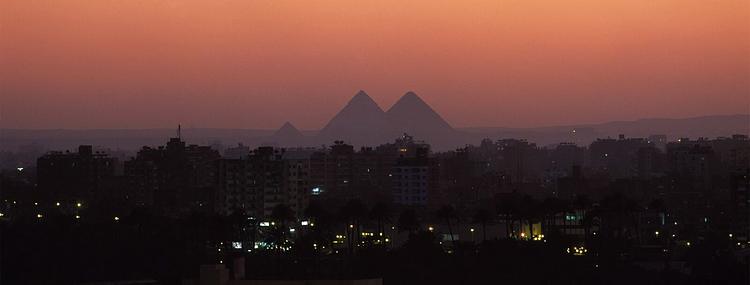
256	64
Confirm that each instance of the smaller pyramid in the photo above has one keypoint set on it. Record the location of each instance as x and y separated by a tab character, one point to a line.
288	135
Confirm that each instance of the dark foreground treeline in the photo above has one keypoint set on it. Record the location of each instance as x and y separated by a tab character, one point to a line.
59	249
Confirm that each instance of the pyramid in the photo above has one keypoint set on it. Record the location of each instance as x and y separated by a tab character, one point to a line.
288	135
412	115
360	122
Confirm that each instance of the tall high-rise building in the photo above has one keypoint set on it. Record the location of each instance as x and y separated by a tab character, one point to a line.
267	178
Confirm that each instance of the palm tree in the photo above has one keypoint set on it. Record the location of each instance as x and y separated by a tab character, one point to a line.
658	208
509	208
321	219
482	217
282	214
529	212
582	203
551	207
381	214
617	213
315	211
408	221
448	213
353	213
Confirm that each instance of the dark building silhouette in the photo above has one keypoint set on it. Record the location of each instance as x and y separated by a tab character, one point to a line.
659	141
332	170
572	185
173	178
616	157
565	156
693	164
522	161
237	152
81	176
296	185
251	185
650	163
740	200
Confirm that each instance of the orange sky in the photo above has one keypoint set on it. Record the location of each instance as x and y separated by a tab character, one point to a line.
257	63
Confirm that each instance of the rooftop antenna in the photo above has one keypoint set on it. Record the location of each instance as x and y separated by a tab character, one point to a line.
179	131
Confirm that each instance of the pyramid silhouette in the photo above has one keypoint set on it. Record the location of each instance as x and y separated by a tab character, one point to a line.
412	115
288	135
360	122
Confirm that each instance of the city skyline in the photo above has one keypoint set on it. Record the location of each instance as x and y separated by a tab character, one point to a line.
363	122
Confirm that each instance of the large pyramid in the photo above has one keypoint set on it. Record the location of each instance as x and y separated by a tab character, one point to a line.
412	115
360	122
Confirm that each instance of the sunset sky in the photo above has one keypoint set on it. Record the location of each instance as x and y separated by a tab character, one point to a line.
258	63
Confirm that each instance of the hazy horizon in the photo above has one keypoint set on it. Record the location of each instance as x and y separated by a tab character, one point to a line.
187	127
